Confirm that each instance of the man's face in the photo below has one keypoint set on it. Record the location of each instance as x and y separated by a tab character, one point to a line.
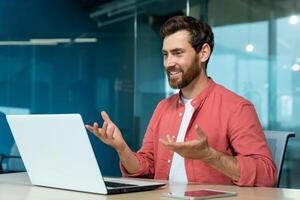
180	60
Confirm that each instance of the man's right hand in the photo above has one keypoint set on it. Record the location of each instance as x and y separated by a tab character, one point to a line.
110	134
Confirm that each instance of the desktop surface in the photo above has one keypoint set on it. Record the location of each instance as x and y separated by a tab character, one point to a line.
17	186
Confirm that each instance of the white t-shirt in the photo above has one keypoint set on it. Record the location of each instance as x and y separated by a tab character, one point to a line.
177	171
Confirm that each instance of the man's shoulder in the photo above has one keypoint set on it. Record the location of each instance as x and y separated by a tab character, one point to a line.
168	101
228	96
171	99
164	105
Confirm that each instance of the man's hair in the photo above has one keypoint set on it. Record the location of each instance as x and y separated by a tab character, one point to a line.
200	32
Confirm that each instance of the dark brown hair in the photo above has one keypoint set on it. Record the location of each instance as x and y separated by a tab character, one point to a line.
200	32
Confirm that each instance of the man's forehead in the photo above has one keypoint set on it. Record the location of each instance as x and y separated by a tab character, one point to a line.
179	35
177	40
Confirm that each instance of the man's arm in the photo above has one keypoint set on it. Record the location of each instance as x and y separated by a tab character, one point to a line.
224	163
112	136
251	166
199	149
254	158
129	160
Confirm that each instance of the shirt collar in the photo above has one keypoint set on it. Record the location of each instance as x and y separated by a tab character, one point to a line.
199	99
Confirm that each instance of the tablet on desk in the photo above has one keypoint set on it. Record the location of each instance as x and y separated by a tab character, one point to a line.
200	194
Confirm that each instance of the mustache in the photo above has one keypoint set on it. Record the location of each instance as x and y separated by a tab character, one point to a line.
173	69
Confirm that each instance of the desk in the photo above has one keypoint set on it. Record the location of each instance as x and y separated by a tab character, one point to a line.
17	186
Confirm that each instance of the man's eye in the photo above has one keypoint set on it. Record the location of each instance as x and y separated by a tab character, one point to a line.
178	53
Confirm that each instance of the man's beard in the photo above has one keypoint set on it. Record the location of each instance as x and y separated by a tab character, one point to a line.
187	77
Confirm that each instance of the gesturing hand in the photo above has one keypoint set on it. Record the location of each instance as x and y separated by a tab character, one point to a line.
109	133
194	149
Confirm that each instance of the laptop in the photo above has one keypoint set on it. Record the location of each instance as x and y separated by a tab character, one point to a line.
57	153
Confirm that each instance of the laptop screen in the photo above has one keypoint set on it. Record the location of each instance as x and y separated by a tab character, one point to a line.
57	152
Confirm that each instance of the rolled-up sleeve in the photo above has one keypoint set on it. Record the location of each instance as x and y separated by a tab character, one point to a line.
146	170
251	151
146	155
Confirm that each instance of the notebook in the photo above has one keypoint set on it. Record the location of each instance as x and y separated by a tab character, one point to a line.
57	153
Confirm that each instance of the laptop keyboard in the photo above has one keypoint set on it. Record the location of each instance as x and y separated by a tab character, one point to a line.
114	184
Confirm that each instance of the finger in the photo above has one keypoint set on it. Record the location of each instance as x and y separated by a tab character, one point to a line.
89	127
110	131
199	131
94	129
166	143
104	126
105	116
162	141
181	145
169	139
103	132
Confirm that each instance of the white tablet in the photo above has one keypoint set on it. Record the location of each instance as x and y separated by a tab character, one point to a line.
200	194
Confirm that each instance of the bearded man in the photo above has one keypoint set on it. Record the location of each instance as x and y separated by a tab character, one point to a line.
205	133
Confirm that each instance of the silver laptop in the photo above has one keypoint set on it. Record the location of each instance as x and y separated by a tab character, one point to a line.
57	153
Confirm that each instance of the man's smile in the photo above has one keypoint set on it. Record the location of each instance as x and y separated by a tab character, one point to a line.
174	74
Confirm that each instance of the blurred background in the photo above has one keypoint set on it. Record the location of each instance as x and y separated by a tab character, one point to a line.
85	56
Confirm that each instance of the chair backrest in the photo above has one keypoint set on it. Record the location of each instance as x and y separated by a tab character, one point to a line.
12	162
277	141
15	163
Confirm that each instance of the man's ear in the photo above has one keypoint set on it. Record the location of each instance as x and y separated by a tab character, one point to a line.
205	52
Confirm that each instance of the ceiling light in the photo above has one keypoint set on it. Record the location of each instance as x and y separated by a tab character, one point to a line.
14	43
85	40
50	40
295	67
294	19
23	43
249	48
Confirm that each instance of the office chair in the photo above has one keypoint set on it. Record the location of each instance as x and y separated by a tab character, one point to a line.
277	141
10	160
11	163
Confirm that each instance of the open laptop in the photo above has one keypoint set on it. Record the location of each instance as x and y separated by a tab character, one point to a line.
57	153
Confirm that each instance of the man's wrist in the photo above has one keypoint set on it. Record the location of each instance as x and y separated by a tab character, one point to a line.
211	155
226	164
122	149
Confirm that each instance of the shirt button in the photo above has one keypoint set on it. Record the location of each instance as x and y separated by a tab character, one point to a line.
180	114
169	161
173	137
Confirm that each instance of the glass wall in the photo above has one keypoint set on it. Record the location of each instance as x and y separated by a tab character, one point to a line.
54	59
118	67
256	49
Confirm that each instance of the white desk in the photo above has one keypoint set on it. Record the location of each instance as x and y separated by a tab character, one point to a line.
17	186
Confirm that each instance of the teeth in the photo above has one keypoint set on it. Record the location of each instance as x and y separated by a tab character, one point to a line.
173	73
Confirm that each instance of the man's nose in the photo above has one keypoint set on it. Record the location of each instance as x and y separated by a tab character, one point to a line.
169	62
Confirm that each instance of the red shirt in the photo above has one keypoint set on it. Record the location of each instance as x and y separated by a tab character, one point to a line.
231	125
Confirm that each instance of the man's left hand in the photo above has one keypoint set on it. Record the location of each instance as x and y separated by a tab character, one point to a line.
194	149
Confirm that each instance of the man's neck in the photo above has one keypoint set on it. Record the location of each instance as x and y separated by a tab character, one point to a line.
195	87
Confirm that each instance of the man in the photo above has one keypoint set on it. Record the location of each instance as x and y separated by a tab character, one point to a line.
204	134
